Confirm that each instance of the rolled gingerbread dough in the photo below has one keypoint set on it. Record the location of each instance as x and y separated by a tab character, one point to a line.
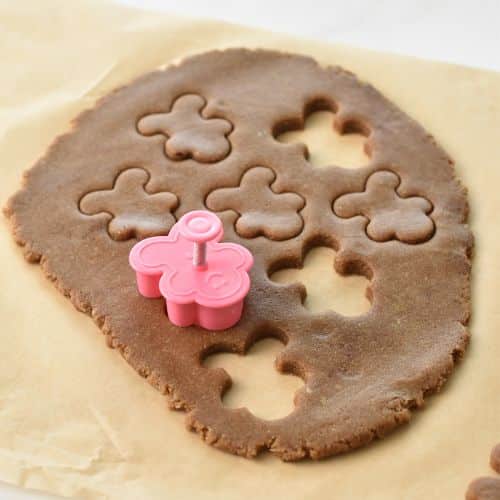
76	421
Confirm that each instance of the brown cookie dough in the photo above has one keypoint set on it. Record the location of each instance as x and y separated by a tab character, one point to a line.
189	135
495	458
484	488
260	209
363	374
133	212
390	216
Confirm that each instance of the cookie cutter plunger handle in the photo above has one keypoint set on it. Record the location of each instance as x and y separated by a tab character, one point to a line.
200	227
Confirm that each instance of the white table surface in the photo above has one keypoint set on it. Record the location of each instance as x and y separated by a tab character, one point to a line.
463	32
459	31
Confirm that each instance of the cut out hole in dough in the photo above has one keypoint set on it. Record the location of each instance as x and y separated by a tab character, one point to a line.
257	385
326	145
326	289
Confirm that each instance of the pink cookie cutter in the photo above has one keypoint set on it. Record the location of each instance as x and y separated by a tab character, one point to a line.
203	281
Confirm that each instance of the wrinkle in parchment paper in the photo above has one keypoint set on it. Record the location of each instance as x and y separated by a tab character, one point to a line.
75	420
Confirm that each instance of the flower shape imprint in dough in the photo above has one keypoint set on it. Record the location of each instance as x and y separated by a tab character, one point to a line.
189	134
261	210
134	212
390	216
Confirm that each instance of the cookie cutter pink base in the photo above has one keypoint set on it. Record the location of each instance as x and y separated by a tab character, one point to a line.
191	314
204	282
206	317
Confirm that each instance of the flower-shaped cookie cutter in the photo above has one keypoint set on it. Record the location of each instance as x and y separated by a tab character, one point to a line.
204	282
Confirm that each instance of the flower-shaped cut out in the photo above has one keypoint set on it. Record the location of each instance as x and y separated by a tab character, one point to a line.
189	134
390	216
262	211
165	263
133	211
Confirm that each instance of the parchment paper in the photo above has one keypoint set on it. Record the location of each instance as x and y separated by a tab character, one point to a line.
75	420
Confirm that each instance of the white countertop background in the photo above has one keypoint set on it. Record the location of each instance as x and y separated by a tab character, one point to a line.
463	32
458	31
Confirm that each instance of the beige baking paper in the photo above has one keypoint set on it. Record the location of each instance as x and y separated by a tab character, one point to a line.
75	420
